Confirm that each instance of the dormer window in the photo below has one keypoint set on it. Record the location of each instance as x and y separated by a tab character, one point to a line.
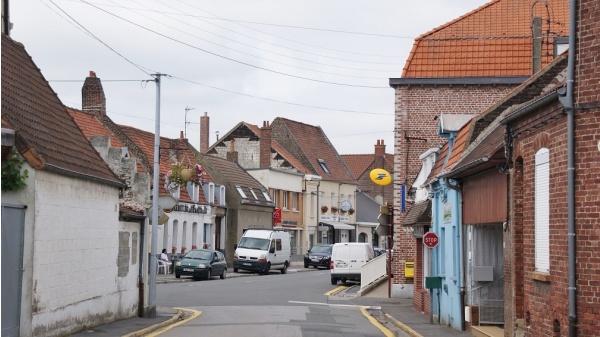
323	165
253	194
241	192
266	195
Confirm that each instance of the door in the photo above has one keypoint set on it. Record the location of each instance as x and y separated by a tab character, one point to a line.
344	235
13	218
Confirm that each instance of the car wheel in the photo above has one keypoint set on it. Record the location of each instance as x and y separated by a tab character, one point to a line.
177	276
267	268
208	275
284	270
224	274
306	264
235	270
333	281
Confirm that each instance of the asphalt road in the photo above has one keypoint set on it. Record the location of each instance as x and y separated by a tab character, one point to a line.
294	304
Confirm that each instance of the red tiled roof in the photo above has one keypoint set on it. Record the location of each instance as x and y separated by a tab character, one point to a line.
34	110
312	144
280	150
491	41
172	150
358	164
91	126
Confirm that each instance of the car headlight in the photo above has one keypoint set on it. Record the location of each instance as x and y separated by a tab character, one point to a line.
178	263
201	266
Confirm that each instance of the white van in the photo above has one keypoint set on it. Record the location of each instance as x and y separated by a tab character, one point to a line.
347	259
261	250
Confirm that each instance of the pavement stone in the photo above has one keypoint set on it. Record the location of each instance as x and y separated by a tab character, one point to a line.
396	311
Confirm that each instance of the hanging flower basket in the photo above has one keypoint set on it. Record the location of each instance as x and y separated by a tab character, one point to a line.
197	177
334	209
186	174
324	209
351	211
178	177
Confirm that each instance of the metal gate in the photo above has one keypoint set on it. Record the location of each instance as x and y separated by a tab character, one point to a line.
12	267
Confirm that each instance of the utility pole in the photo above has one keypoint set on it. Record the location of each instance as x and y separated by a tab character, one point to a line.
155	209
186	122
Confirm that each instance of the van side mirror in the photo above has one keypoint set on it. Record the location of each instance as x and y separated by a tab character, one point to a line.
272	250
235	246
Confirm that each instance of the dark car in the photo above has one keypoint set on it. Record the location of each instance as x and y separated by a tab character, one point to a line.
318	256
202	264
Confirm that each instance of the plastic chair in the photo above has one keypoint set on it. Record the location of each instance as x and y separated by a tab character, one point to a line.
161	265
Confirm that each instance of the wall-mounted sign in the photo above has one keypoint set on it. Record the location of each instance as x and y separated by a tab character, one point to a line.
345	205
380	177
430	239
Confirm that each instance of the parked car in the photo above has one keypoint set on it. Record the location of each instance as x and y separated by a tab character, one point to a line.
318	256
201	264
347	259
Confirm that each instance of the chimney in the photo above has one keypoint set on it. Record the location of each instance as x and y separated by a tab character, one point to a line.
93	101
181	136
379	148
204	132
265	145
232	154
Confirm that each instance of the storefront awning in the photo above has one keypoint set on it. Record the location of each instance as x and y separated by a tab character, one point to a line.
336	225
418	215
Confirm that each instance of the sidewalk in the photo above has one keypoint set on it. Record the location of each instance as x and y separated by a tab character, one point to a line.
394	310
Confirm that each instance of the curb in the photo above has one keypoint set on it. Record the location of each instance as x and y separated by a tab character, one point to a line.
403	326
147	330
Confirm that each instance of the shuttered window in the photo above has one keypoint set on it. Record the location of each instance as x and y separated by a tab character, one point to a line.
542	211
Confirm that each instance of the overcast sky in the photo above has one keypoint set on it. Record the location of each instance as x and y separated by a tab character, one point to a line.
320	62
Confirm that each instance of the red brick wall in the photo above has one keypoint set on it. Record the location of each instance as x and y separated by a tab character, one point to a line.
546	301
416	110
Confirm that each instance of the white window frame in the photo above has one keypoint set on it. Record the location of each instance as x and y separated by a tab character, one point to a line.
285	200
294	201
276	198
193	191
241	192
253	194
542	210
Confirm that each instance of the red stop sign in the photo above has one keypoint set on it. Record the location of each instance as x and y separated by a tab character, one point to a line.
277	215
430	239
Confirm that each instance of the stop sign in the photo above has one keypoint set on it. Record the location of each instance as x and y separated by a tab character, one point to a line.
430	239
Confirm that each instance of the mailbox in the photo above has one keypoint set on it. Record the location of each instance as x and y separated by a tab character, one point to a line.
433	282
409	269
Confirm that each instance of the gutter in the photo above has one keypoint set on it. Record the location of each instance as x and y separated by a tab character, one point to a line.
56	169
567	101
544	100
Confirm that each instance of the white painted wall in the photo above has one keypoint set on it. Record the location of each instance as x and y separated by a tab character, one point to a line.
70	260
189	218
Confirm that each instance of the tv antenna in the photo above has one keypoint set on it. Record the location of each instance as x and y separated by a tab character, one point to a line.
186	122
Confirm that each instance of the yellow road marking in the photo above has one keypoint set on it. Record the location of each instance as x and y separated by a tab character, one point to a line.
335	291
194	314
376	323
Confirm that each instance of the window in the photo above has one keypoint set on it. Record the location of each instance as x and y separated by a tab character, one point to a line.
176	194
285	200
542	211
211	193
294	201
241	192
278	244
253	194
266	195
175	233
184	235
193	191
323	165
276	197
333	201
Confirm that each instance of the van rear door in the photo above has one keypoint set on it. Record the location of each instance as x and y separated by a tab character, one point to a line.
341	258
358	257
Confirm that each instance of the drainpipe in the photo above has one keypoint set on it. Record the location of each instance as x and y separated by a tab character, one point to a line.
460	251
142	255
567	101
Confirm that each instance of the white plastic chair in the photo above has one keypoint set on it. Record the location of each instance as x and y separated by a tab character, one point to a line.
162	265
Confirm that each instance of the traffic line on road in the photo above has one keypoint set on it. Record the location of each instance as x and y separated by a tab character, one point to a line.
376	323
194	314
335	291
338	305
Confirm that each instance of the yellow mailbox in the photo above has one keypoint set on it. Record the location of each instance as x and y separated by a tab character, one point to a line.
409	269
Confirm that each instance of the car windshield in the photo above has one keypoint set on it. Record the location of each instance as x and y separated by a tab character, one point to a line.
321	249
254	243
199	255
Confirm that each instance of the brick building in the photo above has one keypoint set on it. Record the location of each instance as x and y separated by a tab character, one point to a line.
462	67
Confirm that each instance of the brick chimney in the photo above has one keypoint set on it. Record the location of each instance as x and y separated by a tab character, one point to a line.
93	101
379	148
204	132
265	145
232	154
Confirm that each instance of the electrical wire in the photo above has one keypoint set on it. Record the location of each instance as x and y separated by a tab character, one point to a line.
231	59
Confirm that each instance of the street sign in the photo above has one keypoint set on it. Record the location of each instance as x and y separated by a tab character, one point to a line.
382	230
277	215
380	177
430	239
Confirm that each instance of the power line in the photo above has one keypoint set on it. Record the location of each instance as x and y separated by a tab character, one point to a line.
234	60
